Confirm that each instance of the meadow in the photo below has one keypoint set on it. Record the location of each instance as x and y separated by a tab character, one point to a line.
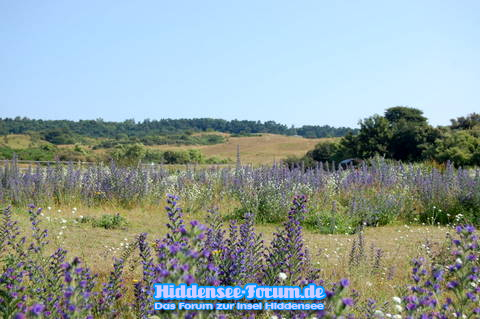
257	150
385	239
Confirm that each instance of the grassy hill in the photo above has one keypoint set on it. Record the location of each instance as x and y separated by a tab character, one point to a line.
262	149
20	141
256	149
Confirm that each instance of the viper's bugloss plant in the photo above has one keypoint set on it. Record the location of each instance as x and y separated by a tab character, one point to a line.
446	290
376	193
287	253
36	284
463	274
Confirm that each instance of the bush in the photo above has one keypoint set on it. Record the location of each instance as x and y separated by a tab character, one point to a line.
459	147
110	221
326	152
107	221
128	154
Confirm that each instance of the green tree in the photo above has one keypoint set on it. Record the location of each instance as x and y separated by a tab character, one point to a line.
460	147
373	138
410	133
326	151
407	114
466	123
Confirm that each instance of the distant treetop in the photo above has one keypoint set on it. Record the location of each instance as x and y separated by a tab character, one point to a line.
101	128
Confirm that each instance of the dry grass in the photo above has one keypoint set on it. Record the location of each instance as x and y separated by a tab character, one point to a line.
262	149
97	246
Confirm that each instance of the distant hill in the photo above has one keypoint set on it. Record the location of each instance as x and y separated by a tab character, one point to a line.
263	149
67	132
254	148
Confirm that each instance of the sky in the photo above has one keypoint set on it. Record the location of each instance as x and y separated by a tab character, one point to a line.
294	62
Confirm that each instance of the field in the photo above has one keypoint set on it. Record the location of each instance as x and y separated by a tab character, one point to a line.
323	225
331	253
20	141
263	149
240	159
255	149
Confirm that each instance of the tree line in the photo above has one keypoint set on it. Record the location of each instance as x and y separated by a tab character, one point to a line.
66	131
403	133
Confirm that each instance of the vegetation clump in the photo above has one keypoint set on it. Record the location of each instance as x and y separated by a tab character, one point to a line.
107	221
404	134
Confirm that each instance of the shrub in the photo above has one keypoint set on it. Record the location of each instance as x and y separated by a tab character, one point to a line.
326	152
107	221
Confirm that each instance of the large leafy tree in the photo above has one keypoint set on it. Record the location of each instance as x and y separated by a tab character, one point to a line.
406	114
402	134
410	133
373	138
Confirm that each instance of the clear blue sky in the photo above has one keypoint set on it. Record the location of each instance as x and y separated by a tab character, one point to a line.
295	62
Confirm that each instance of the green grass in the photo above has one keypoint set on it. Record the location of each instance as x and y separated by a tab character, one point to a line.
20	141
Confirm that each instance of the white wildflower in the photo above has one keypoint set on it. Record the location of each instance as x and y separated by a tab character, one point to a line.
282	276
397	300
